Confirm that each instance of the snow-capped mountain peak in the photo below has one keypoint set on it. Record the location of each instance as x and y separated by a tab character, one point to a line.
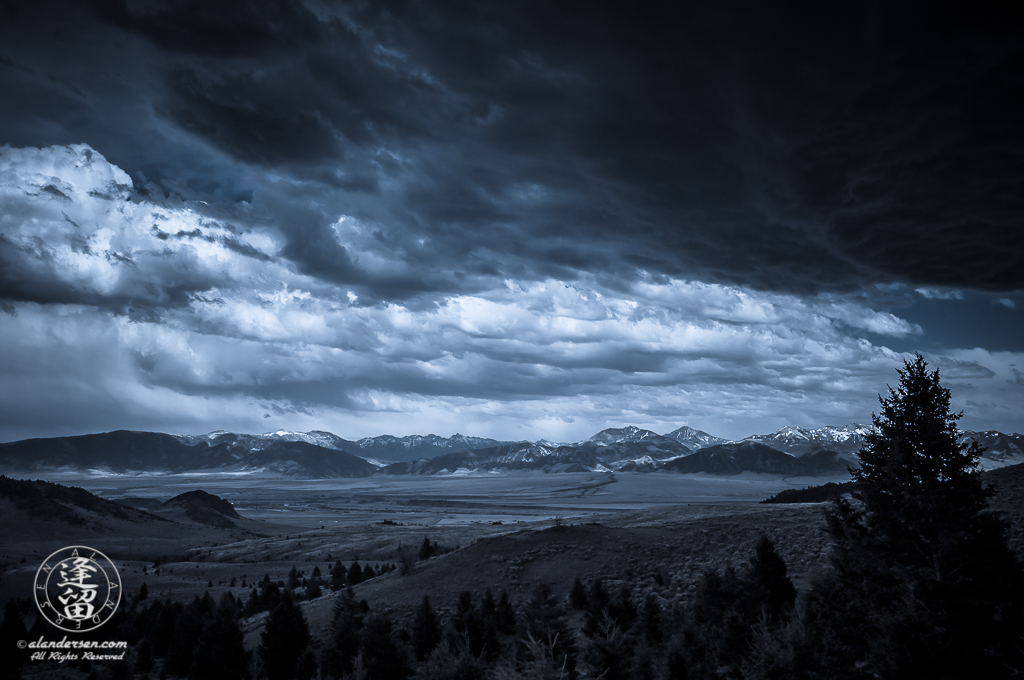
693	438
614	435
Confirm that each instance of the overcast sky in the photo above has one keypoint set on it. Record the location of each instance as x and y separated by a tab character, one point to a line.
507	219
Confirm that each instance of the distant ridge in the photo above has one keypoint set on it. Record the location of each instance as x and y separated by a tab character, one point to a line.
124	451
826	451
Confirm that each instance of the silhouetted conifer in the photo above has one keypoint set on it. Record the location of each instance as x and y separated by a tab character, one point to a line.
355	574
676	661
505	615
164	617
719	622
542	620
143	657
283	641
346	624
12	629
381	657
220	653
338	576
448	664
306	666
578	594
465	628
607	652
771	588
426	631
923	569
488	607
652	619
621	607
187	629
426	549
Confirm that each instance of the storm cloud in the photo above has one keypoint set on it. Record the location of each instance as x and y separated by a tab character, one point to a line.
511	216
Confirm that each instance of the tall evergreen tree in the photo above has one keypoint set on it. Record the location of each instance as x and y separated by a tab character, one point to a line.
426	632
381	656
426	549
220	653
355	574
346	624
338	576
283	641
543	622
924	570
505	614
772	589
187	628
11	630
922	500
488	605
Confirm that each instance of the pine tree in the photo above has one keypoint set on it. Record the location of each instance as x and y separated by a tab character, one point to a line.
652	619
426	549
355	574
12	629
465	629
346	624
771	588
187	629
220	653
578	594
505	614
143	657
381	657
923	568
338	576
488	606
542	621
283	641
426	633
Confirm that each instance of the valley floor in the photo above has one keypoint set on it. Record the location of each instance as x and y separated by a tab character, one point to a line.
513	531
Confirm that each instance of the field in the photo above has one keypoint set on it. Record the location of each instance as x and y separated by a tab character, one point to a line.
308	523
656	532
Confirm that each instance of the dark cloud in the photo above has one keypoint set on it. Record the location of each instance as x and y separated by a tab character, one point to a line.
226	28
254	123
783	147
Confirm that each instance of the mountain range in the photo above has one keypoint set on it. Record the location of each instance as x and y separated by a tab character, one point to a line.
793	451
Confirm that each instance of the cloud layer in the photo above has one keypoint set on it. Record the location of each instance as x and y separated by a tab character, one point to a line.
513	219
121	308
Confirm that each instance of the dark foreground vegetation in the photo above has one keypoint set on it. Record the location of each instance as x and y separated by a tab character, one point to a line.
922	585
